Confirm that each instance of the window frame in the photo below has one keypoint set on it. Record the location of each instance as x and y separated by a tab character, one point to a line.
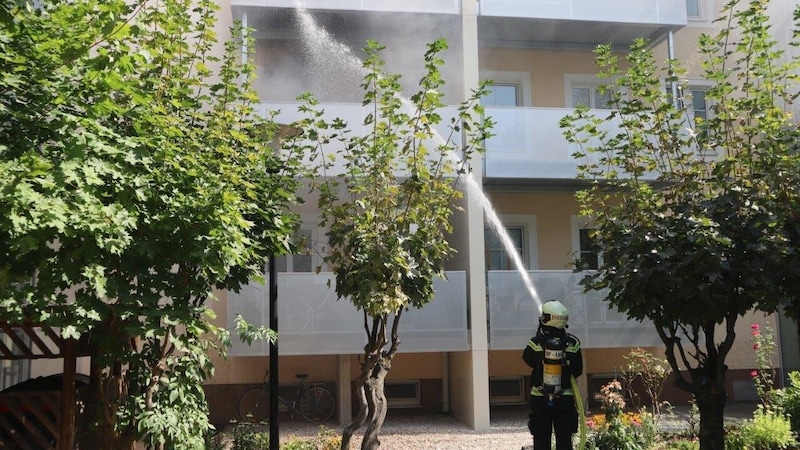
579	223
520	79
527	222
704	13
580	80
316	242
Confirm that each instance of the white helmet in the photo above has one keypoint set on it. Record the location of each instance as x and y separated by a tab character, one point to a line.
554	314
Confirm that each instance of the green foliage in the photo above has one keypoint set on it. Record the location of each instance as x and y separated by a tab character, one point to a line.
695	218
249	333
764	346
787	401
134	180
249	437
622	433
388	214
767	430
652	372
617	430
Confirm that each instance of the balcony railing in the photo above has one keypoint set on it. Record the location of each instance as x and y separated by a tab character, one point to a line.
353	114
528	143
312	321
415	6
669	12
514	312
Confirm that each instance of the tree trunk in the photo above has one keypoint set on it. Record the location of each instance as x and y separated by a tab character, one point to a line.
377	407
361	418
711	404
96	426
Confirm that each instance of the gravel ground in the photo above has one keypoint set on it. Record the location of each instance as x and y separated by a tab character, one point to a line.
404	430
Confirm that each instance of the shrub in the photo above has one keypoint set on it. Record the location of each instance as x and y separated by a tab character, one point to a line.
214	440
787	400
767	430
247	436
615	430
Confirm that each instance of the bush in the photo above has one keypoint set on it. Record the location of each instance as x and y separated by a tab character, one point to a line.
787	400
767	430
246	436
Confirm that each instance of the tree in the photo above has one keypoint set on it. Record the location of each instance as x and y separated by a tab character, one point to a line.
691	233
388	213
135	178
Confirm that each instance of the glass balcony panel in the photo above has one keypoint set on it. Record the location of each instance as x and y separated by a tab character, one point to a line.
514	312
353	114
528	143
312	321
615	11
422	6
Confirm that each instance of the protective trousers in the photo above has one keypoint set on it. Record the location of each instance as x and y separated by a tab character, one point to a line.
559	415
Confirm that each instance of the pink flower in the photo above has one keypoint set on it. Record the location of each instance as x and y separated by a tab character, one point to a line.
754	374
755	333
756	346
754	326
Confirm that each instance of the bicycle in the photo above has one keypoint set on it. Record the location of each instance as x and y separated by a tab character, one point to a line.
313	403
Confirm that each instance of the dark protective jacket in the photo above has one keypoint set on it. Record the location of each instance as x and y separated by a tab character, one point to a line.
572	364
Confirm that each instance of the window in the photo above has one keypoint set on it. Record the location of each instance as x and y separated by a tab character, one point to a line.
501	95
589	254
510	88
507	391
693	8
586	90
591	97
303	260
497	256
402	394
584	245
521	229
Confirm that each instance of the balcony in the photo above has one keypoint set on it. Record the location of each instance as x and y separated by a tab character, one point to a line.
514	314
353	114
414	6
548	23
312	321
528	143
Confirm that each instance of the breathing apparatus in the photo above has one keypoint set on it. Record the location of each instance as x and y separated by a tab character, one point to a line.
555	315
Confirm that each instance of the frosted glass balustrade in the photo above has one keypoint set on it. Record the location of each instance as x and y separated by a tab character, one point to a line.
528	143
514	313
421	6
312	321
662	12
353	114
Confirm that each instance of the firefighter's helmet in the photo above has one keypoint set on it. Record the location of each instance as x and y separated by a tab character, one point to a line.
554	314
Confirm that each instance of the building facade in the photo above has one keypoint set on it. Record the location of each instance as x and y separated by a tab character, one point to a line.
462	353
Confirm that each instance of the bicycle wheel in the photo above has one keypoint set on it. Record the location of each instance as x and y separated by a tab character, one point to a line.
317	404
254	405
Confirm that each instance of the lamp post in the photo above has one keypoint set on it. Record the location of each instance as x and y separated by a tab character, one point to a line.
274	434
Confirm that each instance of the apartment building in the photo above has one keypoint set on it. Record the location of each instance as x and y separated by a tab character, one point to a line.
462	353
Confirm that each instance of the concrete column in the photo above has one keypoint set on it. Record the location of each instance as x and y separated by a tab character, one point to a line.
470	372
343	389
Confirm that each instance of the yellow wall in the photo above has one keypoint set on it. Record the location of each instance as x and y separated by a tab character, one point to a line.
546	67
553	223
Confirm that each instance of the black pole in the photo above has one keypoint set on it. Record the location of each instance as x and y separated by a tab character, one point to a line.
274	436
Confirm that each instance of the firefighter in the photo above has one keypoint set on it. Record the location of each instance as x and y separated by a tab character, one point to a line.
555	358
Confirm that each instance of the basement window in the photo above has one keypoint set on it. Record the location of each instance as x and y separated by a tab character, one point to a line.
402	394
507	391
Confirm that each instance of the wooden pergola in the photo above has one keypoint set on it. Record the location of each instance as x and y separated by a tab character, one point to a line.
39	419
